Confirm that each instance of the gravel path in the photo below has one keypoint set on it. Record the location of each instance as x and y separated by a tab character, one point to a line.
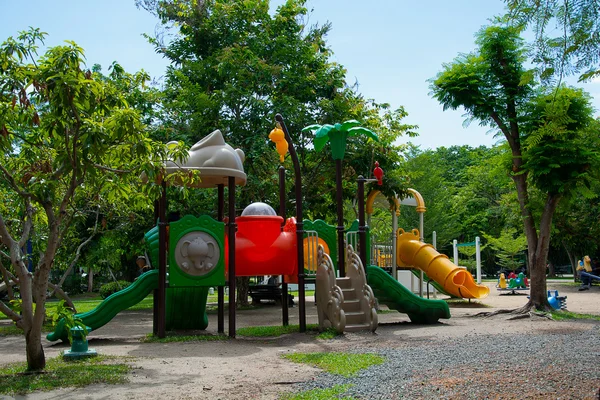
552	364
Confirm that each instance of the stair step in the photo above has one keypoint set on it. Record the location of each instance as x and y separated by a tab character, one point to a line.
344	283
351	305
357	327
349	294
354	318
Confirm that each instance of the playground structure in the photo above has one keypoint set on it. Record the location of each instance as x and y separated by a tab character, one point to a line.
201	253
408	250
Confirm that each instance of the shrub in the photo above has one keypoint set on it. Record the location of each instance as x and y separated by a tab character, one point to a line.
113	287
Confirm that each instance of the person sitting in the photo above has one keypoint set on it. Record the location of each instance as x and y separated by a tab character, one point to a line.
585	269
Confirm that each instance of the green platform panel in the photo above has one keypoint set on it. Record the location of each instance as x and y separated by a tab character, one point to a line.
354	228
151	239
196	252
326	232
393	294
186	308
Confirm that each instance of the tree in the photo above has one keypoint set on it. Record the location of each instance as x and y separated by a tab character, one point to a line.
235	64
509	246
576	49
68	138
544	128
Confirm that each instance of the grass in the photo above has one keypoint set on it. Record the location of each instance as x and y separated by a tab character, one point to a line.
329	334
333	392
344	364
173	337
273	331
12	330
568	315
14	379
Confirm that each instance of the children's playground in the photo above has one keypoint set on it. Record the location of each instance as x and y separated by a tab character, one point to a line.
196	252
396	295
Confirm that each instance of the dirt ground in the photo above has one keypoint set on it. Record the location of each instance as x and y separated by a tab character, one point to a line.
247	368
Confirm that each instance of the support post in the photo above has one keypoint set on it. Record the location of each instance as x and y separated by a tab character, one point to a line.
455	249
231	235
299	225
478	258
340	218
220	289
421	239
362	229
394	245
161	318
284	286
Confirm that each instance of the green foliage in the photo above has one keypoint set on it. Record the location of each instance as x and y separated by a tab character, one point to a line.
62	312
236	64
113	287
509	248
567	35
345	364
60	374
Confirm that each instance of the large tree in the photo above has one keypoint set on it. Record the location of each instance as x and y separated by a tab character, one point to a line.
68	140
567	35
235	64
546	131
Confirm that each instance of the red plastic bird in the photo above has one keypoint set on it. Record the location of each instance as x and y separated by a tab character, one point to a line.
378	172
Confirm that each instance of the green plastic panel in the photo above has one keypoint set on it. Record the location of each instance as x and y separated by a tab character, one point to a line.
189	224
151	238
393	294
326	232
186	308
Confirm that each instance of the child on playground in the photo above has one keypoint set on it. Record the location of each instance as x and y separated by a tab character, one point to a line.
585	265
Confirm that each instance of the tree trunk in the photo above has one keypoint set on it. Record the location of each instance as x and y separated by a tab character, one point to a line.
551	270
90	280
36	359
243	288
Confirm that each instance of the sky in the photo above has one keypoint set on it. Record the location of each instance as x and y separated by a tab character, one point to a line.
389	47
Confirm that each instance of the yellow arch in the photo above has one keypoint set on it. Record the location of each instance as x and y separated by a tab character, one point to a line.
420	202
371	201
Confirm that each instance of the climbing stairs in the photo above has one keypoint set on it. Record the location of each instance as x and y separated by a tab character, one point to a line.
346	304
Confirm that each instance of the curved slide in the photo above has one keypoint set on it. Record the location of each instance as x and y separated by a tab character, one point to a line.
393	294
454	280
112	305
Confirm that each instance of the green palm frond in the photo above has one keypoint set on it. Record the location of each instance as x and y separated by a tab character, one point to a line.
363	131
311	128
323	131
349	124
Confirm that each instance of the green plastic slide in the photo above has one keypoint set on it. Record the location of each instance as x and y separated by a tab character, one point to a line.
393	294
112	305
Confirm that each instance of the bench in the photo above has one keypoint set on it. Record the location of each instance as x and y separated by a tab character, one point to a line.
268	292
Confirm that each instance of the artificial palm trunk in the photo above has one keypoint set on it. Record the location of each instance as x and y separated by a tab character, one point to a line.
340	217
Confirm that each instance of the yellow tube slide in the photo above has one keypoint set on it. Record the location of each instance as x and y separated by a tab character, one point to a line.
455	280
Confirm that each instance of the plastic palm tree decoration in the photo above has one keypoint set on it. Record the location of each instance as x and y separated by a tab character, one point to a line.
337	135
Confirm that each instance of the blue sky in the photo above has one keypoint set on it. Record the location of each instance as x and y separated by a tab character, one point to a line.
390	47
